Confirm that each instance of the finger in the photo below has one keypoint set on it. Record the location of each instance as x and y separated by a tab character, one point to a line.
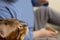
52	34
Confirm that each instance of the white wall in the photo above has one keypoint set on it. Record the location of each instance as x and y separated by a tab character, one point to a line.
55	4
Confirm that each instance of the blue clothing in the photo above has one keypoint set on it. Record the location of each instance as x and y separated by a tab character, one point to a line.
21	10
35	3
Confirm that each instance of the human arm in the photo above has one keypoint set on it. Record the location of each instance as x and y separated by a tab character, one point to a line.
44	33
39	33
41	13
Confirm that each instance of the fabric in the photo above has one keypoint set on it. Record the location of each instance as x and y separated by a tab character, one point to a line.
48	38
36	4
21	10
41	17
44	15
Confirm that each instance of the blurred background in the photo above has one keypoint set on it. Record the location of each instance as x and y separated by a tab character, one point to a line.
55	4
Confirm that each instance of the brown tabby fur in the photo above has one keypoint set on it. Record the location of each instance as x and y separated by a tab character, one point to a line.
12	29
